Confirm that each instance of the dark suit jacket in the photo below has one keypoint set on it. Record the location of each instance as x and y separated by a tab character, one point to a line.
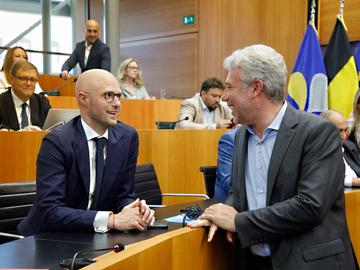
63	176
304	221
99	57
39	108
352	156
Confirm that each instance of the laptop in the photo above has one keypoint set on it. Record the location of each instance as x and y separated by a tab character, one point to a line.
58	117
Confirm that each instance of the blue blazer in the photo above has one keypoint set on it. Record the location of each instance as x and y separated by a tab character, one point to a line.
99	57
224	162
63	176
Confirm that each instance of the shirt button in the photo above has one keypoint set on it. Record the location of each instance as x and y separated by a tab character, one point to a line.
259	166
260	190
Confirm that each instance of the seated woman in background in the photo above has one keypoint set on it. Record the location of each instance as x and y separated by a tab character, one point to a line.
355	126
13	55
130	80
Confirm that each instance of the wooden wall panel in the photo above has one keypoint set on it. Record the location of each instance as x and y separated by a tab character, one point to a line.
169	62
143	19
277	23
327	18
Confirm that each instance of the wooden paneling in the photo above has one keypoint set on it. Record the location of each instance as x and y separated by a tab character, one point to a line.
170	63
180	249
327	18
140	114
55	83
277	23
145	19
352	202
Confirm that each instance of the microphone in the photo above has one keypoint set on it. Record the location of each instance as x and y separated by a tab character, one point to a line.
169	125
76	263
65	84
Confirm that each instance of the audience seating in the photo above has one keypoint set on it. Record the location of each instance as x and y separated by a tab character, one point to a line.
209	173
16	200
147	186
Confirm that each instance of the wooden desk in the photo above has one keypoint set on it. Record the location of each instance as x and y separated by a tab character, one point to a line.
352	203
141	114
54	82
176	155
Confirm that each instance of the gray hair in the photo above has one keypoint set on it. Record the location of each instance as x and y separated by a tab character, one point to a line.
260	62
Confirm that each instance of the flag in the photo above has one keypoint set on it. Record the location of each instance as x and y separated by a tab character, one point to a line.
307	88
341	71
357	61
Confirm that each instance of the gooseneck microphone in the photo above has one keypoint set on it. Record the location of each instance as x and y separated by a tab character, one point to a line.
169	125
76	263
174	123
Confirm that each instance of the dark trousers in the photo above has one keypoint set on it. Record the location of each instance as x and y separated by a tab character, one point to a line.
259	263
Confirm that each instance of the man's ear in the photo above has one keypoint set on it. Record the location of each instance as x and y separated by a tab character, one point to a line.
11	79
258	87
83	98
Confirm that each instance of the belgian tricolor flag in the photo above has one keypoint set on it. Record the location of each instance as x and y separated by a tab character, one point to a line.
341	71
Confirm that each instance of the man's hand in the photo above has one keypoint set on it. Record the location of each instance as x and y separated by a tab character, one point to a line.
356	182
31	128
147	215
222	215
226	123
129	218
65	75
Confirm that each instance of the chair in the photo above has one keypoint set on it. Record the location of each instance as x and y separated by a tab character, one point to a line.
209	173
147	186
16	200
165	125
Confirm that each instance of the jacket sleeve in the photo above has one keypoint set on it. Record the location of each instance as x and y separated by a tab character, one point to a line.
106	59
71	62
187	109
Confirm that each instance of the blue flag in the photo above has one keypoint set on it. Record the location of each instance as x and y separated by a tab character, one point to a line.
357	61
307	89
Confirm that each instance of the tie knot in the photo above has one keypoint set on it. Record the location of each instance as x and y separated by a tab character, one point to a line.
23	106
100	142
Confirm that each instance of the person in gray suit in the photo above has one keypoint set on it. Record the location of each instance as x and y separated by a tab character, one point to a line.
286	206
91	53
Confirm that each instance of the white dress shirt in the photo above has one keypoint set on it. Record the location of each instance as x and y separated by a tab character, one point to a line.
208	116
18	108
102	217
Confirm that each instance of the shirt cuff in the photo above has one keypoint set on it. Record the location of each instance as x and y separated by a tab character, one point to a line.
101	221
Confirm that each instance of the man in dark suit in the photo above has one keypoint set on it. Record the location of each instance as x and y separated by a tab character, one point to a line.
20	107
286	207
85	169
350	150
90	53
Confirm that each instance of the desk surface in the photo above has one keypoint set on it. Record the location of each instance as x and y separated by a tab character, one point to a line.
48	249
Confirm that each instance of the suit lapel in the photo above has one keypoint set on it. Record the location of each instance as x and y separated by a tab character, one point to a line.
81	149
92	52
9	104
283	140
34	111
114	161
82	55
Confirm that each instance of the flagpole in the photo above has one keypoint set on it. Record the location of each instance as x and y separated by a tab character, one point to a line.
340	16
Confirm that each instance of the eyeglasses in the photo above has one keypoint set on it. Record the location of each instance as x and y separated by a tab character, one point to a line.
25	79
133	68
109	96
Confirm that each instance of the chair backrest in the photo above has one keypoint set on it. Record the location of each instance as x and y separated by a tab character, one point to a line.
209	173
165	125
16	200
146	184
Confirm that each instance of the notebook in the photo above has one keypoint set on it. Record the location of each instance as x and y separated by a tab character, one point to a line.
58	117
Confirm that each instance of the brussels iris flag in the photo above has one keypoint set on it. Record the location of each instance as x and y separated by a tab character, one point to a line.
341	71
307	89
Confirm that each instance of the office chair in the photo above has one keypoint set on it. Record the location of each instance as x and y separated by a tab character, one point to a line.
16	200
147	186
165	125
209	173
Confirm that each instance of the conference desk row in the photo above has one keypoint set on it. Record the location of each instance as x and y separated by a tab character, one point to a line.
140	114
176	248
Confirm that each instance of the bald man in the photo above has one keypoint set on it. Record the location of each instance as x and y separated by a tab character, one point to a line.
85	169
91	53
350	151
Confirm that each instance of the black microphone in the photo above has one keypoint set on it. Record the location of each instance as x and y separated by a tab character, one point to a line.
76	263
65	84
170	125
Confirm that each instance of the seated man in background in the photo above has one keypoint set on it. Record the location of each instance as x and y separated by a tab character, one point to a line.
86	168
21	108
224	163
90	53
206	110
350	151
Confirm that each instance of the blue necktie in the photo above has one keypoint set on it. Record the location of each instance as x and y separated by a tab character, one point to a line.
24	117
100	166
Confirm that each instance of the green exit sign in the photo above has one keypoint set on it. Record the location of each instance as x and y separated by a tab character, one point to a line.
189	19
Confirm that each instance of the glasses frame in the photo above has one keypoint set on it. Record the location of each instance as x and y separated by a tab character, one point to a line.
109	96
25	79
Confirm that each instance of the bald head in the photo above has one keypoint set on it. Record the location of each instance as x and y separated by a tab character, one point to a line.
97	93
339	120
92	31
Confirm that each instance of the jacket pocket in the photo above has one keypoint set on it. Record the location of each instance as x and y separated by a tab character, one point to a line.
323	250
